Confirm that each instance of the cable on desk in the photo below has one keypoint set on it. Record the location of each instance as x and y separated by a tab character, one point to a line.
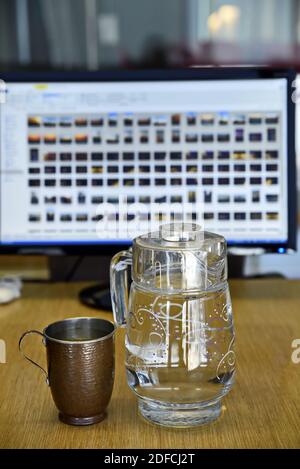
73	269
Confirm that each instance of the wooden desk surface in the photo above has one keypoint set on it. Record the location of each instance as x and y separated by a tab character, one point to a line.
262	410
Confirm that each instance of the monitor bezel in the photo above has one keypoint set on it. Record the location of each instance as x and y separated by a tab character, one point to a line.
189	74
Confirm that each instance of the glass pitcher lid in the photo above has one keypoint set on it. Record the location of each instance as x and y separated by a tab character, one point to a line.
179	236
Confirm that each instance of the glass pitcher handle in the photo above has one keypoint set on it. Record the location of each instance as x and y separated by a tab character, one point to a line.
119	285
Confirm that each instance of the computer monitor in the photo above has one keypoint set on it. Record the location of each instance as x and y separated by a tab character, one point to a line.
90	160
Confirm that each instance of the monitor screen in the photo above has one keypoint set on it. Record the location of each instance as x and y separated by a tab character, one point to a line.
93	162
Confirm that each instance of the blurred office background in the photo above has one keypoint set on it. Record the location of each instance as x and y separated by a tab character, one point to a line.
94	34
101	33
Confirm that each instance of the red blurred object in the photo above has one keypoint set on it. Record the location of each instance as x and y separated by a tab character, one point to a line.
216	54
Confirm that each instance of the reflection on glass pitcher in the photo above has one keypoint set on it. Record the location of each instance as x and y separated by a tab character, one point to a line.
179	342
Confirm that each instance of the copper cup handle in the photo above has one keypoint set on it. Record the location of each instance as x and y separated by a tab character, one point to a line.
29	359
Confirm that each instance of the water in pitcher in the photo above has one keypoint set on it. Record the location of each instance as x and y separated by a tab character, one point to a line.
180	347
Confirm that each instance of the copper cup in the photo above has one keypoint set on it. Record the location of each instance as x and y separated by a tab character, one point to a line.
80	358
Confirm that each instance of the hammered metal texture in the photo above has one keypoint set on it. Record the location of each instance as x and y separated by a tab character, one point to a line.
81	376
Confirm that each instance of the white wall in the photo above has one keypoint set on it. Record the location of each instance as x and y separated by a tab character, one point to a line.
286	264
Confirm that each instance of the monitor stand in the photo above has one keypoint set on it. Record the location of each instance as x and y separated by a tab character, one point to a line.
97	297
236	266
84	268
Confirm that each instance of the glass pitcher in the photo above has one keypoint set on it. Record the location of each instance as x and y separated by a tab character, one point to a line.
180	358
